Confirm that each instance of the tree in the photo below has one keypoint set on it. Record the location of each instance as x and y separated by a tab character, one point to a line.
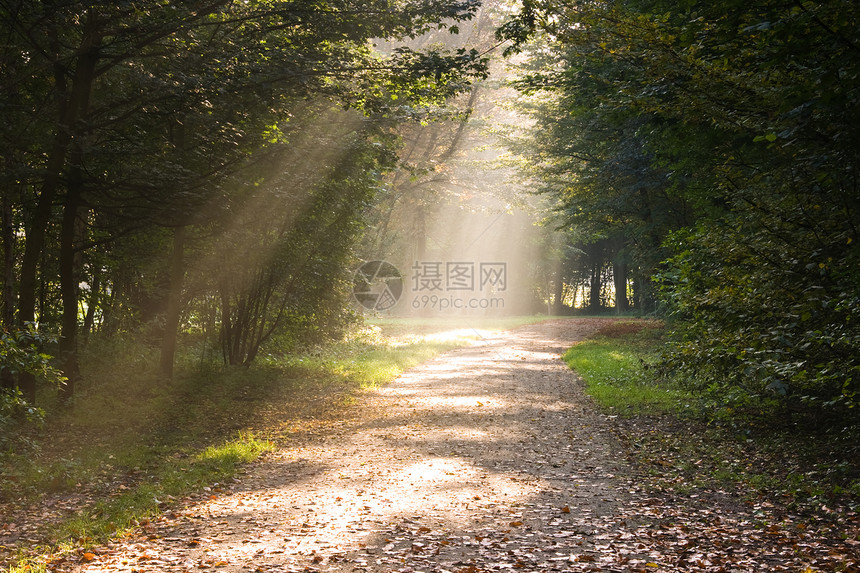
125	118
744	111
595	163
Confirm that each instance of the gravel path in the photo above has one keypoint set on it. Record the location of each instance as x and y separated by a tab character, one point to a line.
487	458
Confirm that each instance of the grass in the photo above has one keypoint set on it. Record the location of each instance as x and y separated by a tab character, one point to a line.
467	325
133	444
671	436
387	347
614	366
172	479
128	507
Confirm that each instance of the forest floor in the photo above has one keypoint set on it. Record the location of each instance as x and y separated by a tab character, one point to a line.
487	458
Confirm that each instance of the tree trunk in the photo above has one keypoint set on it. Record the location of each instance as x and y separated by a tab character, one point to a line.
595	286
92	304
558	294
637	291
71	107
174	304
8	229
226	323
7	318
35	244
420	232
619	277
68	346
114	291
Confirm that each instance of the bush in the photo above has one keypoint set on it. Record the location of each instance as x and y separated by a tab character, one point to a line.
21	352
17	416
761	329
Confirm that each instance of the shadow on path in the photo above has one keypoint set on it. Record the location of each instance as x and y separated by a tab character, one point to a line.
487	458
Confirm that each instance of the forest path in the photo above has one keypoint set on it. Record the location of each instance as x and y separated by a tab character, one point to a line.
486	458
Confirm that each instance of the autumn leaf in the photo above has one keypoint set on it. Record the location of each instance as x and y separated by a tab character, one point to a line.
89	556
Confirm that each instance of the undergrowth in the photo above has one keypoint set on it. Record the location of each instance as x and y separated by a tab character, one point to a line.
132	443
676	438
615	363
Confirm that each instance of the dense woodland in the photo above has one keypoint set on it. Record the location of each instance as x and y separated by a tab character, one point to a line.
204	174
714	149
199	166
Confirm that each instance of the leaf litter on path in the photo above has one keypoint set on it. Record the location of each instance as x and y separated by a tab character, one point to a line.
488	458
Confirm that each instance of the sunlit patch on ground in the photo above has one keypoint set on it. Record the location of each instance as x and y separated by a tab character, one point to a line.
428	481
456	336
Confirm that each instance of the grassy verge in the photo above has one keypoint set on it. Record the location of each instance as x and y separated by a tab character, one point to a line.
131	445
614	365
174	477
670	436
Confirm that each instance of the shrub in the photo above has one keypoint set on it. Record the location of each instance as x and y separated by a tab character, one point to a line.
763	329
21	352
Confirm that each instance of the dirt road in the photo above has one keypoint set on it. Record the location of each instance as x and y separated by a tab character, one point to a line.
486	458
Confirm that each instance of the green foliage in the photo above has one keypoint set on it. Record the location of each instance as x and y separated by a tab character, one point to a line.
667	433
368	359
22	351
615	366
17	418
286	270
141	503
762	330
129	124
738	118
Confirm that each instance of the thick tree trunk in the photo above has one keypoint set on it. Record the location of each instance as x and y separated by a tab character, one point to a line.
420	232
68	346
558	294
8	229
35	244
7	381
643	295
226	323
72	107
595	287
114	292
174	304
